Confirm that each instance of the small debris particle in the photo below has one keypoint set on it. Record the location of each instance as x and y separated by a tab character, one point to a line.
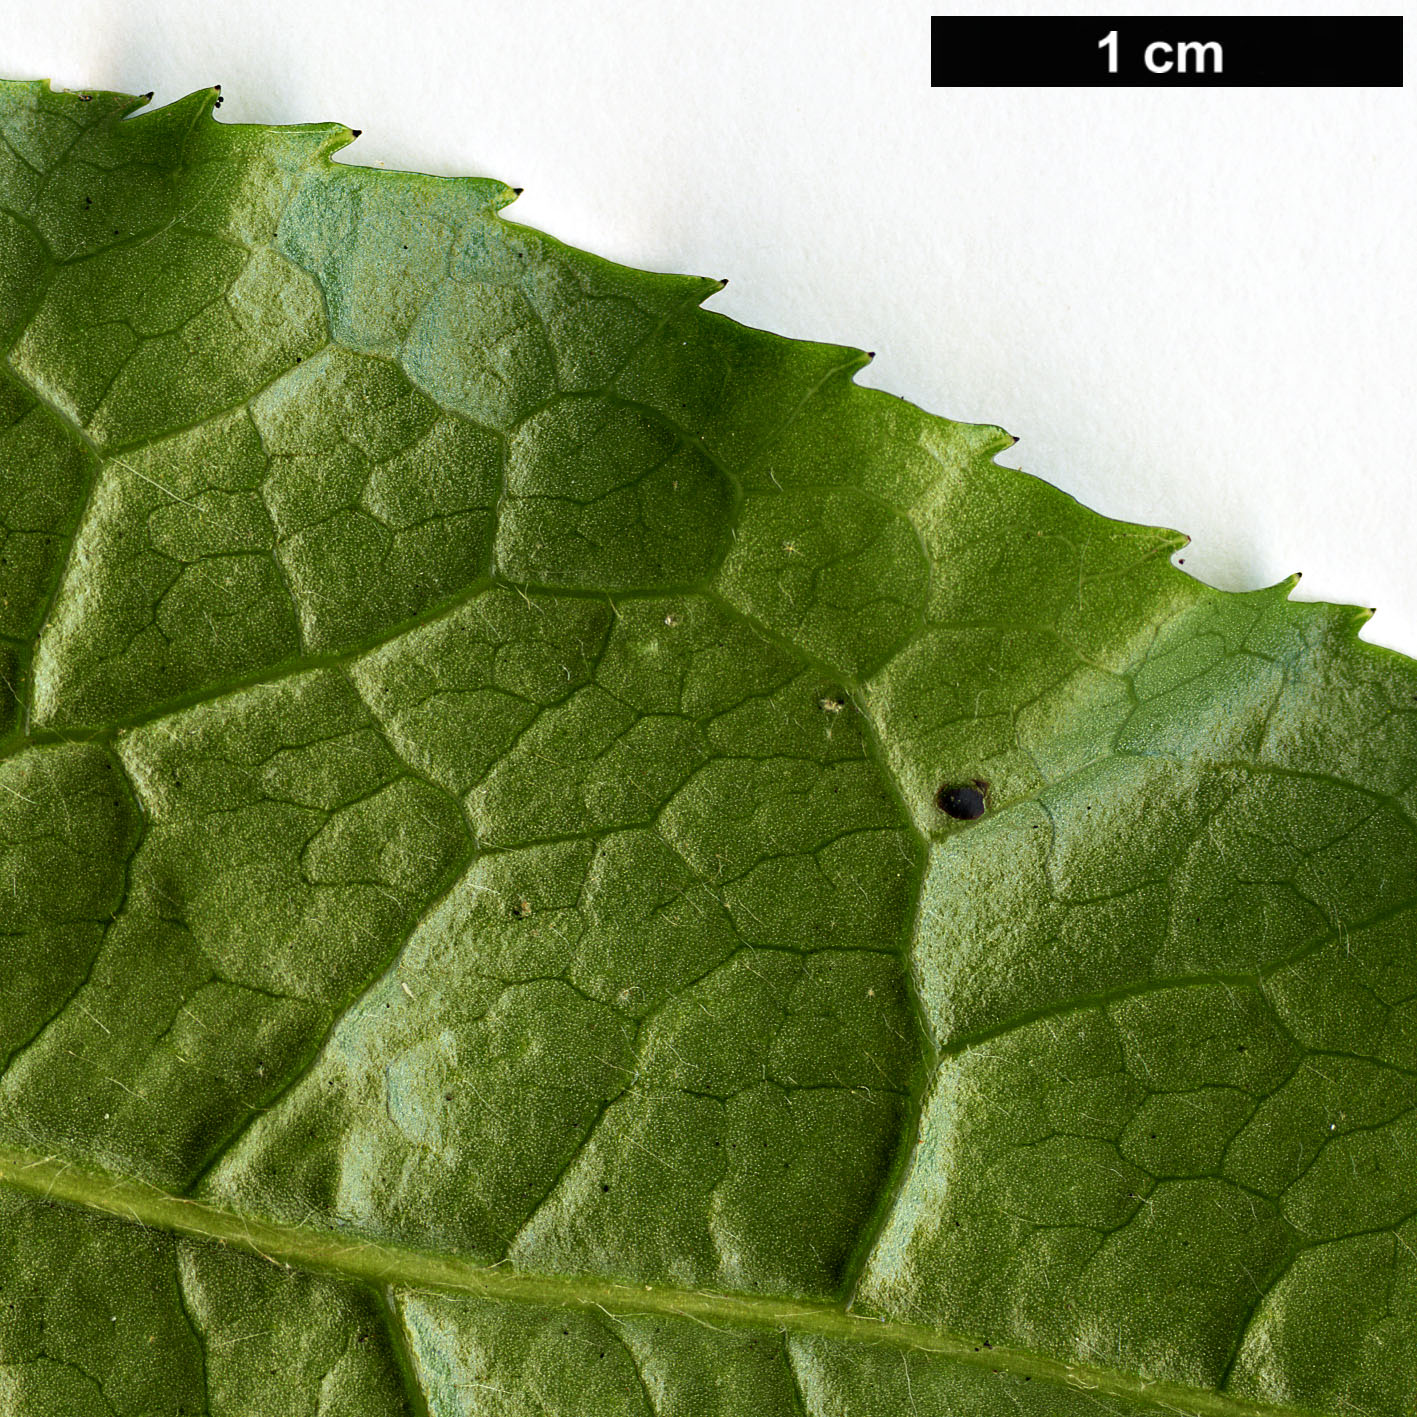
964	801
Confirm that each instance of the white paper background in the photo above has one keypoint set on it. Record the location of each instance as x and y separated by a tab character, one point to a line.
1195	307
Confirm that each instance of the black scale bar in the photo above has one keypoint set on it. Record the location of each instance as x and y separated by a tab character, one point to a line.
1179	51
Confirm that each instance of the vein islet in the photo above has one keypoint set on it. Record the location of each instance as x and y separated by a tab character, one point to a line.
394	1269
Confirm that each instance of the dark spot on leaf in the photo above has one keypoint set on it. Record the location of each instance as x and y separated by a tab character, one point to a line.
963	801
521	910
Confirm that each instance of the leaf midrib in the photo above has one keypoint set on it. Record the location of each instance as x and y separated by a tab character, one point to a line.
359	1259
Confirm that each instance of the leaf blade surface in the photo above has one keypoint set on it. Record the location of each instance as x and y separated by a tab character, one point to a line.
474	786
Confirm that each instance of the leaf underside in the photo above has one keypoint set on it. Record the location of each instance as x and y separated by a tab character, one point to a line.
557	856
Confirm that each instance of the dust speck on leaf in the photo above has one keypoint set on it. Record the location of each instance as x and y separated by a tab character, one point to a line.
964	801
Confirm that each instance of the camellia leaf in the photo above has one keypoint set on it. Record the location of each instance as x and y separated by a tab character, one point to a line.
560	857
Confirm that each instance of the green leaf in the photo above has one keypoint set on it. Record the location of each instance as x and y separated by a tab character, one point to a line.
560	857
